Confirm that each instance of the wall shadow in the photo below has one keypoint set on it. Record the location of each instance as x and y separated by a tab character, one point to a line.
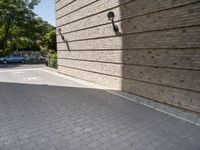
56	112
133	58
32	97
156	55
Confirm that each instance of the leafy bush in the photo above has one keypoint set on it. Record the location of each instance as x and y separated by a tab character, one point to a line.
52	60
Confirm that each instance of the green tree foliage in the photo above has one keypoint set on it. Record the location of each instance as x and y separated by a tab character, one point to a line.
50	40
15	14
19	25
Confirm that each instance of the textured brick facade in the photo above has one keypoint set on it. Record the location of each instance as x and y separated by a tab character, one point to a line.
156	53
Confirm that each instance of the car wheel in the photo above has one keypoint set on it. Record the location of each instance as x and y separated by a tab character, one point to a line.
5	61
23	61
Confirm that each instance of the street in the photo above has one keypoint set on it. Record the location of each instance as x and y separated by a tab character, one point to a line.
40	110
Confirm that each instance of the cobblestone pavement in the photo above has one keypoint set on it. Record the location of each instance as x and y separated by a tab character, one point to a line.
41	111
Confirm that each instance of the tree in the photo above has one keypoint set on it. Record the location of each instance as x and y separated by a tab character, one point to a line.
50	40
15	14
22	29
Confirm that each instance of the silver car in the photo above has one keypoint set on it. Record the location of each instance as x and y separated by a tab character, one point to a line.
13	58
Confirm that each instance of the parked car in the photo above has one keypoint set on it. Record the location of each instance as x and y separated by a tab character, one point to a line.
13	58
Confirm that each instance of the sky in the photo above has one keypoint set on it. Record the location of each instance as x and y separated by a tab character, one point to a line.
46	10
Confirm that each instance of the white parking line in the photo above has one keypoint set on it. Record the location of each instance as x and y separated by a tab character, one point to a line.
30	78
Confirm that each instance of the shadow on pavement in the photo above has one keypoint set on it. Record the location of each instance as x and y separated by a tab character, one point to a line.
59	113
11	65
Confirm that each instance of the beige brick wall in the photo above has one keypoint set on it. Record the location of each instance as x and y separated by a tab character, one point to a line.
156	54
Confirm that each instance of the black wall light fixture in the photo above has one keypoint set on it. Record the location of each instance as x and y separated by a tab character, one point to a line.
111	17
63	38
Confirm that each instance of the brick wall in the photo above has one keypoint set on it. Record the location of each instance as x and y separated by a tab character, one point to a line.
156	53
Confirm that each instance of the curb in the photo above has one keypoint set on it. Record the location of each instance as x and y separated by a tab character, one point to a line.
51	69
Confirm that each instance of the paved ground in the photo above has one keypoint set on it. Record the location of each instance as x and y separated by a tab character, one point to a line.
41	111
15	66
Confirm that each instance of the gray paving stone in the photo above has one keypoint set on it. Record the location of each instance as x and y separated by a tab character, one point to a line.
62	117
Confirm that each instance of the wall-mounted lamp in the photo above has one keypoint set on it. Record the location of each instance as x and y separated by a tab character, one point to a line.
111	16
63	38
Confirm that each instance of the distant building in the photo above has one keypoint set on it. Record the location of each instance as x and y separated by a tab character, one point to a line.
155	54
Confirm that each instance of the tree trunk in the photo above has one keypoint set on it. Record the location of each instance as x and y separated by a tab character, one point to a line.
6	34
